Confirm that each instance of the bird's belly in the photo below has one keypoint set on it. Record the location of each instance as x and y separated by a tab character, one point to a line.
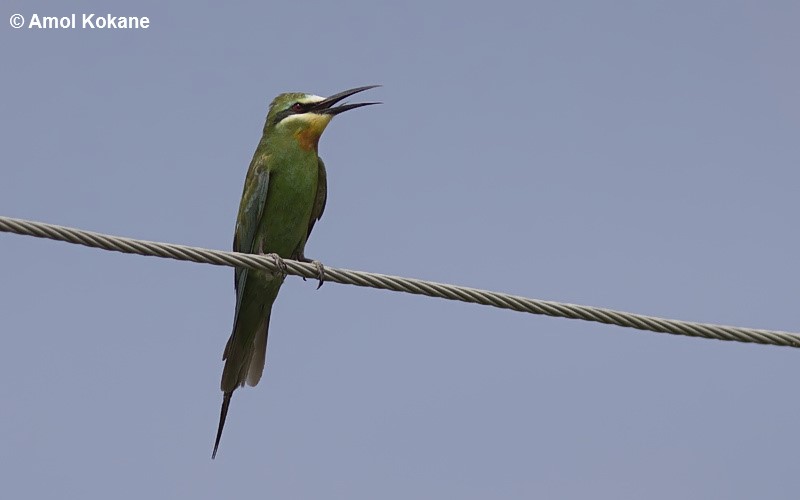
288	211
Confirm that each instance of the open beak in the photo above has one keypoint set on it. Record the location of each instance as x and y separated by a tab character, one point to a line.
326	106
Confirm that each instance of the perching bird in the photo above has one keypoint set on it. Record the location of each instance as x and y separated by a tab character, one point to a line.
284	195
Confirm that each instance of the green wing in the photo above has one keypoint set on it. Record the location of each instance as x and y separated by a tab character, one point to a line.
254	199
321	198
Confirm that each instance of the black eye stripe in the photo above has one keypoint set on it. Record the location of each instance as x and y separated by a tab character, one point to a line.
290	111
295	108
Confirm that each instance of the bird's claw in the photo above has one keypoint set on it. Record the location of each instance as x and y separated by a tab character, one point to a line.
279	263
320	273
320	270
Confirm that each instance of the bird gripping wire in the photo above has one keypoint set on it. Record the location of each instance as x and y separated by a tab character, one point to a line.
399	284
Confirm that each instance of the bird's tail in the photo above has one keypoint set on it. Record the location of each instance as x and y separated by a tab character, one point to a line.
246	350
226	401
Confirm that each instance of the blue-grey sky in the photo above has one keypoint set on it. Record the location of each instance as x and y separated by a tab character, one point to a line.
641	156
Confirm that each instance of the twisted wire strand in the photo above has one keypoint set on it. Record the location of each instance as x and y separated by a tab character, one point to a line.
399	284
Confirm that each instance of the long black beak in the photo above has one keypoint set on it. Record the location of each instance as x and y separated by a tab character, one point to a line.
326	106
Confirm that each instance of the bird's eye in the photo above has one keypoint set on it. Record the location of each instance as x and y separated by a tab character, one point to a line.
297	107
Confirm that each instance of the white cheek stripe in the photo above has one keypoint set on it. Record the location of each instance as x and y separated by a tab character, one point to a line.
303	118
309	98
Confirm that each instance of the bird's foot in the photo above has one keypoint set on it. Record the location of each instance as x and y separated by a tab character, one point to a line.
279	263
320	269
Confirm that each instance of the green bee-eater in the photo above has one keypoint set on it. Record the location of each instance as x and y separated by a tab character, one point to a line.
284	195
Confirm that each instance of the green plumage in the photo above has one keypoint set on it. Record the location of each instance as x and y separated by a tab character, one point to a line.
284	195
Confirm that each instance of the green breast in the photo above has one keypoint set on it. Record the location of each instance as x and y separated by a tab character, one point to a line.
290	198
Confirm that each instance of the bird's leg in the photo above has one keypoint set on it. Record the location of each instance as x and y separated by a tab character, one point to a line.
282	269
318	265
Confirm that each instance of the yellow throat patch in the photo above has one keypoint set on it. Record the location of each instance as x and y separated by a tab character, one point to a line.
308	136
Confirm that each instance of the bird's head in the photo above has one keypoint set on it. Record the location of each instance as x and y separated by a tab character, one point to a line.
305	116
